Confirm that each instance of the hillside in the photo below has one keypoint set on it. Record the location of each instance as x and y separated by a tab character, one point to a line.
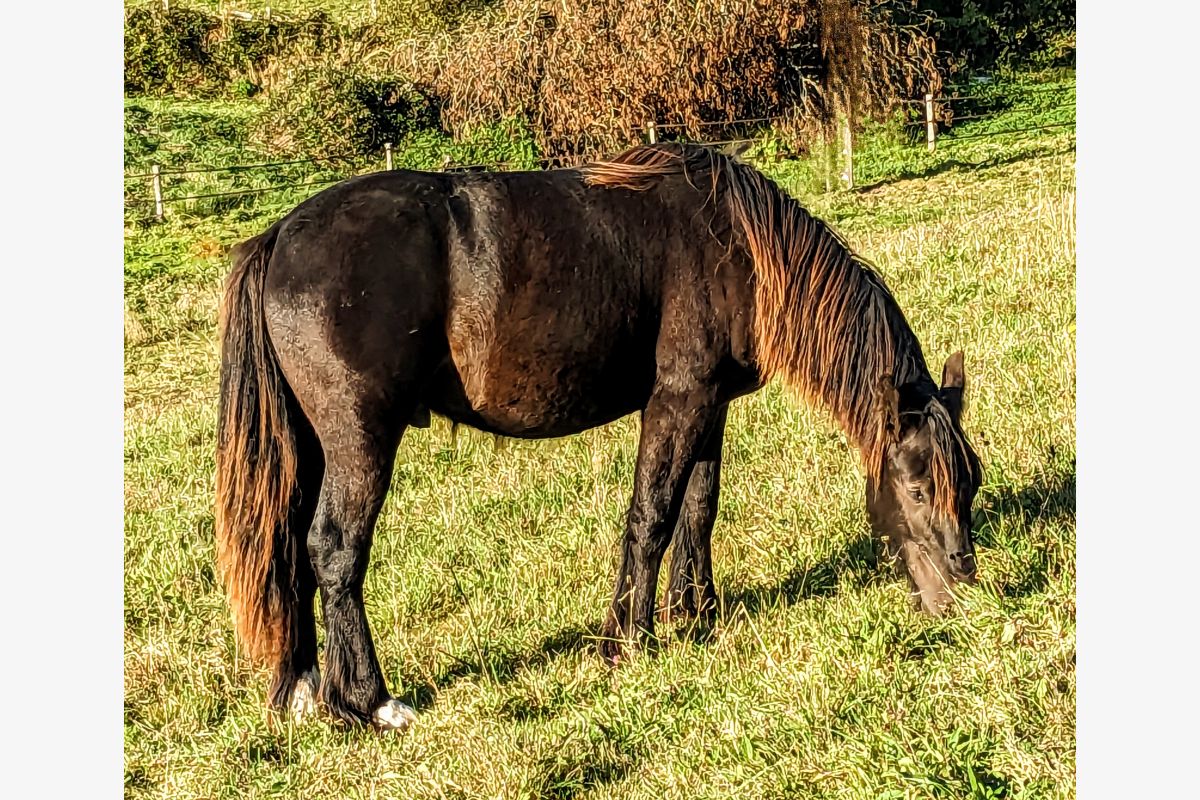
491	566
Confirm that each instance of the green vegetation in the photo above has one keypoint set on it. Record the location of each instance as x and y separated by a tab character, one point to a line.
991	34
491	569
182	135
582	74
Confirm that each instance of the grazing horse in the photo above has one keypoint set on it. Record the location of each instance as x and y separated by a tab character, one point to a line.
668	280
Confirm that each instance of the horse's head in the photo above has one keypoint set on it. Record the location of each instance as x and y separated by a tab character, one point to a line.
920	501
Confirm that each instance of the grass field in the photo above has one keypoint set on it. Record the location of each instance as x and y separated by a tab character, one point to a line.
491	568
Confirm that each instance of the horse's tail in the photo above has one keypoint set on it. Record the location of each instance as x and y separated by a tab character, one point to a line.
256	466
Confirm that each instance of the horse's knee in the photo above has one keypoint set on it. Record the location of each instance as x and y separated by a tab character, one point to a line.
652	542
338	554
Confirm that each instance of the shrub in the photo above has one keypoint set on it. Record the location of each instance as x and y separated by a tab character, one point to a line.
588	74
331	109
139	141
406	16
184	51
167	50
985	34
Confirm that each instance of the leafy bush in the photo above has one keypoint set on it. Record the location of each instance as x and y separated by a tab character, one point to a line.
167	50
985	34
185	51
406	16
332	109
508	144
140	142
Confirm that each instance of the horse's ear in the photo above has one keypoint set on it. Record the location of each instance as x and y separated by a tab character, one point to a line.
953	376
954	381
887	407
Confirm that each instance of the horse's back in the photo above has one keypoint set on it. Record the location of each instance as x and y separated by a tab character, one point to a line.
524	303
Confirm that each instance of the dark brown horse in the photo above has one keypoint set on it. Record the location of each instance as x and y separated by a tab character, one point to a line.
669	281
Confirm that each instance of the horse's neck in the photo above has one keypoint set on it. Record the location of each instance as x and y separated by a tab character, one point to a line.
854	336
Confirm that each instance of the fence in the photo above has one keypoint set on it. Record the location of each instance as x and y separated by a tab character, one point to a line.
936	114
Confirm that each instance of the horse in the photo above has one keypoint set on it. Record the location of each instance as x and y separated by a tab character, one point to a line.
668	280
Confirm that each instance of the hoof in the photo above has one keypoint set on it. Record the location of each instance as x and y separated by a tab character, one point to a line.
611	648
615	651
393	716
686	614
304	696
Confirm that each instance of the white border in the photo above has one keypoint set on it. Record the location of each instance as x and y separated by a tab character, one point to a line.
1138	309
1137	343
62	439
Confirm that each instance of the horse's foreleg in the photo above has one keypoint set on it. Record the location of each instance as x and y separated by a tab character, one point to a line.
673	427
690	591
358	469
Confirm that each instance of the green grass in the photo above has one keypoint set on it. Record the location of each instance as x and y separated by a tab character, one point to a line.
491	570
182	136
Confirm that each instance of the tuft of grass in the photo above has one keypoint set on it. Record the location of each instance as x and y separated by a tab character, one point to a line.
491	569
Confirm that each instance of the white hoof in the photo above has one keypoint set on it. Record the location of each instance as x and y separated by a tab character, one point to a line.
304	695
394	716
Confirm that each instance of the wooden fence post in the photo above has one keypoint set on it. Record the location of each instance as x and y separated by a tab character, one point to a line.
156	182
652	132
387	153
828	165
930	125
848	152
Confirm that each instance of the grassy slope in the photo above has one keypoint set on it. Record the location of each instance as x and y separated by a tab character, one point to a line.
490	569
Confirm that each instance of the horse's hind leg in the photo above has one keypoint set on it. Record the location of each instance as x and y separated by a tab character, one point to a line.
673	427
690	591
297	678
358	469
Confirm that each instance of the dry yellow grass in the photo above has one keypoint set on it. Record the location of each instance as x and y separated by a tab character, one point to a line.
490	570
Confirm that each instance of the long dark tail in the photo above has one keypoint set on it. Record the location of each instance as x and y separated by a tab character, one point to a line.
256	467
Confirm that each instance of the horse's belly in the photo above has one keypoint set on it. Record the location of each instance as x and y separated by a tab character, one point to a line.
536	385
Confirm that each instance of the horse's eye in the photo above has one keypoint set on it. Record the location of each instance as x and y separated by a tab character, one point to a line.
917	495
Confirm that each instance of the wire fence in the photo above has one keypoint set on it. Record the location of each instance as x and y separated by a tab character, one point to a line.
938	116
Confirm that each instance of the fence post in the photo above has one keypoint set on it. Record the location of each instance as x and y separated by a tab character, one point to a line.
156	182
387	153
652	132
930	125
848	151
829	157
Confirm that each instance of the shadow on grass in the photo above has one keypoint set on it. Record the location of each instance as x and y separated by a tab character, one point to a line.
954	164
1005	512
604	759
1050	497
856	562
492	664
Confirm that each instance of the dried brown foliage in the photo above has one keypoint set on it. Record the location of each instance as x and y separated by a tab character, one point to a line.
588	74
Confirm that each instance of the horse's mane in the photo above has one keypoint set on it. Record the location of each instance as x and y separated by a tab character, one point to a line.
824	319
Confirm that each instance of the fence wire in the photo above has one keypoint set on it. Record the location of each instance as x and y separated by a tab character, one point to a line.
551	161
242	167
242	192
